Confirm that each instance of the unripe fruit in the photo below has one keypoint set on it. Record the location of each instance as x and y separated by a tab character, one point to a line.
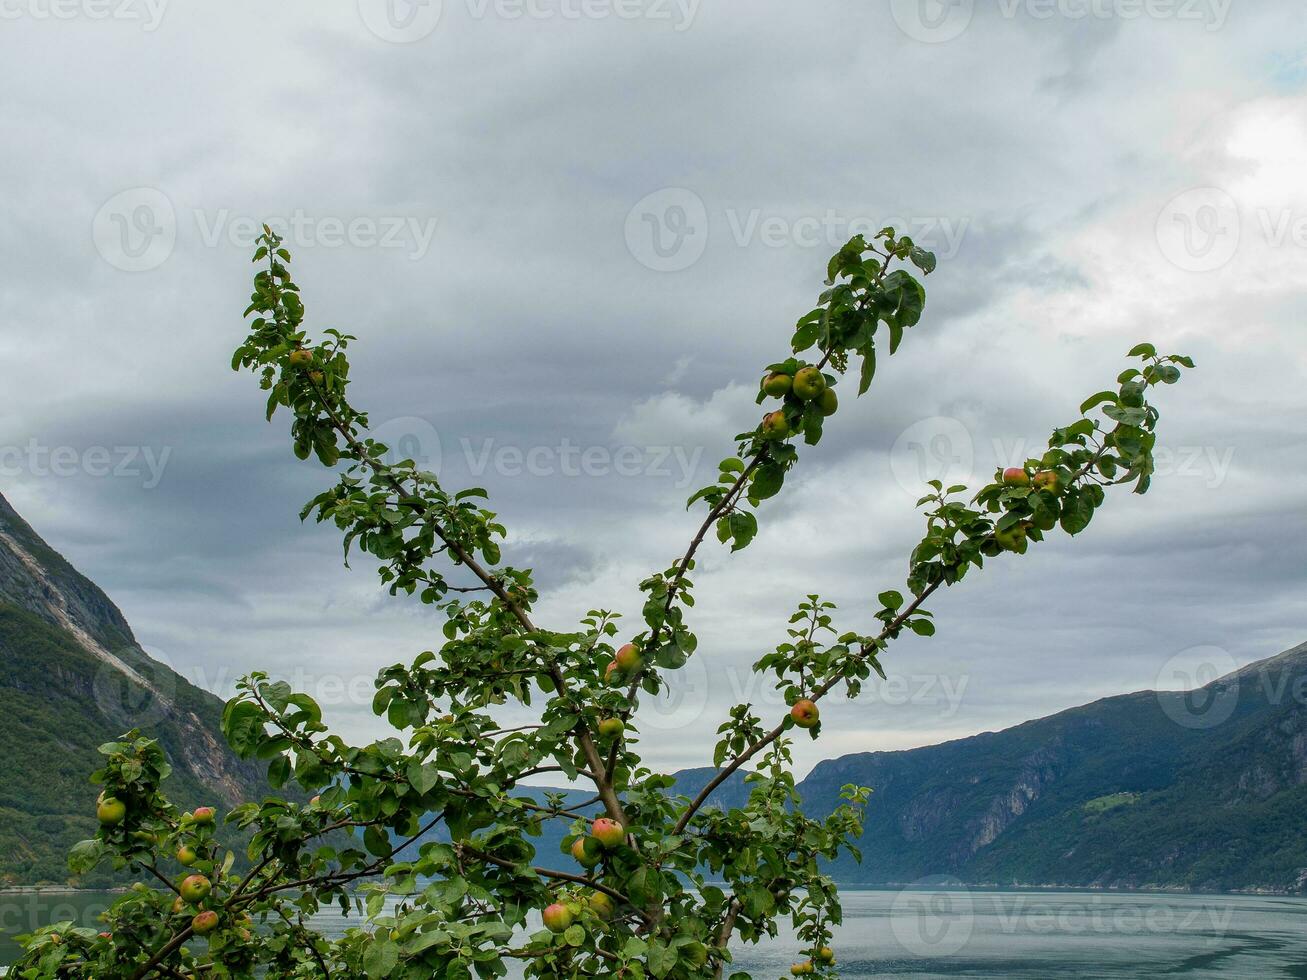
628	658
828	402
1048	480
808	383
800	969
315	377
805	713
602	906
195	888
204	815
558	917
204	923
111	811
186	855
587	851
777	384
301	358
775	425
695	953
611	727
1012	538
826	954
608	832
1016	476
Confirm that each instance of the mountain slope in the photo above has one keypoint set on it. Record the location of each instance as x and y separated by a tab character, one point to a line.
1113	794
72	676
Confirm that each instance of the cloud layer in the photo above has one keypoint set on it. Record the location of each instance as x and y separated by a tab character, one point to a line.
570	235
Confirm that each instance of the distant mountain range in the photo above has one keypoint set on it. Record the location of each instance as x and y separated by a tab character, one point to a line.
1147	790
72	677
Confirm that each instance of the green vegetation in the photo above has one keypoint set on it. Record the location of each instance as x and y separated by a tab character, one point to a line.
469	903
1111	801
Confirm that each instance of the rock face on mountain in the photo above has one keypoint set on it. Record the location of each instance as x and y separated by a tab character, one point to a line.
1147	790
72	676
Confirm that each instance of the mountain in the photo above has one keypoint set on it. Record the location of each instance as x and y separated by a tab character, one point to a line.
1206	791
72	677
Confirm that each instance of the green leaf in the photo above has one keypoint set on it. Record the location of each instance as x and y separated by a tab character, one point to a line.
868	370
381	958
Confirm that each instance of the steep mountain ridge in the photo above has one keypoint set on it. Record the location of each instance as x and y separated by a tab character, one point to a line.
1206	790
72	676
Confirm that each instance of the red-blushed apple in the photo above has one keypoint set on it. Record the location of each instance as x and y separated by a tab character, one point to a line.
777	384
628	658
314	801
611	727
204	923
828	402
587	851
558	917
808	384
1048	480
195	888
1016	476
775	425
204	815
111	811
611	672
301	358
602	906
177	905
608	832
805	713
186	855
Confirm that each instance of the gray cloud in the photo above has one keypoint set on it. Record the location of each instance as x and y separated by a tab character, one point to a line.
516	312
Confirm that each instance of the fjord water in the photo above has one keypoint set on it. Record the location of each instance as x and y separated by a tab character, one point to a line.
943	933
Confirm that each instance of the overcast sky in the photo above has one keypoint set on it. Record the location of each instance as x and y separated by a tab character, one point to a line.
570	233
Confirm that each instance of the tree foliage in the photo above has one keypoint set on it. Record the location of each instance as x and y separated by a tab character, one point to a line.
429	834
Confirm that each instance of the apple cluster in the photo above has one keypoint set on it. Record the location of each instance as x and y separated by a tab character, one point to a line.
800	386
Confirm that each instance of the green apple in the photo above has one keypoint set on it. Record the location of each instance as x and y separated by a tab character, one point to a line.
602	906
611	727
558	917
204	923
826	954
1048	480
805	713
828	402
301	358
695	953
775	425
777	384
587	851
801	969
608	832
186	855
111	811
195	888
808	384
1012	538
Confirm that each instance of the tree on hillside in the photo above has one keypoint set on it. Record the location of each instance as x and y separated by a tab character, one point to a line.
430	833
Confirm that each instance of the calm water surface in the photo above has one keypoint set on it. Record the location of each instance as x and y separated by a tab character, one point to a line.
994	935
